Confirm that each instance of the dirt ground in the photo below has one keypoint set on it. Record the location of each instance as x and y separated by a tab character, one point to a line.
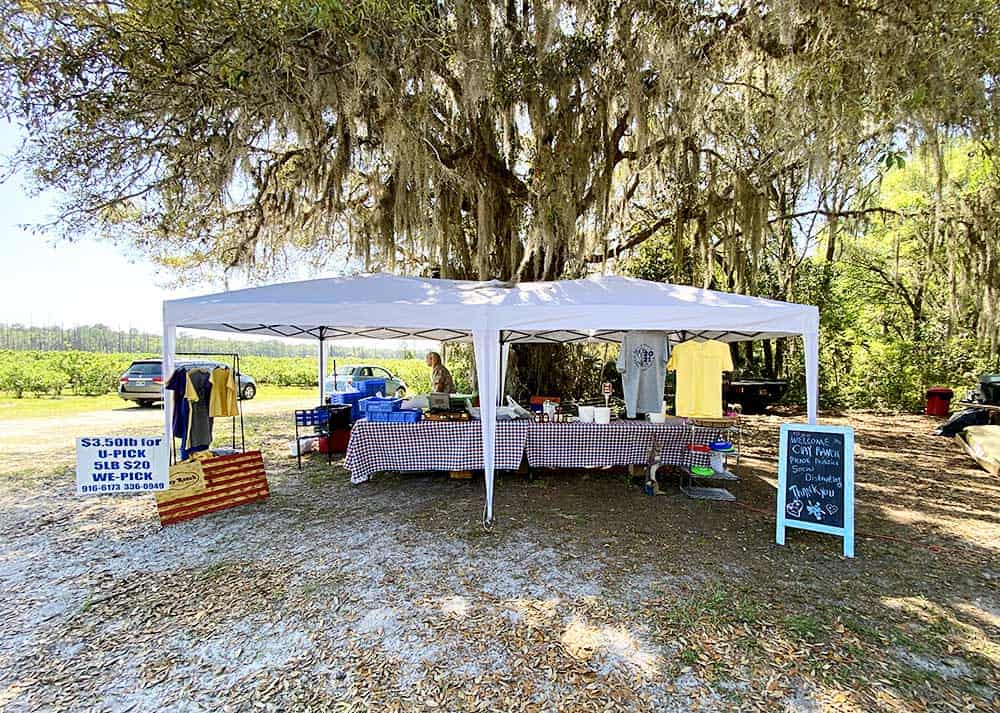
587	596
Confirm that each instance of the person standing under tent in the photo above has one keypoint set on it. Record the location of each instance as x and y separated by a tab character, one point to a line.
441	381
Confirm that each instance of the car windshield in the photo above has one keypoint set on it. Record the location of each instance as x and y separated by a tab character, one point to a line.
345	370
145	368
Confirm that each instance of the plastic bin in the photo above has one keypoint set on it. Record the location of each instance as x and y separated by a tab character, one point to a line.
348	398
374	403
938	401
344	397
400	416
370	387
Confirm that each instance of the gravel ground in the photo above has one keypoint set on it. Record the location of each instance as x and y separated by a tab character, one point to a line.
587	596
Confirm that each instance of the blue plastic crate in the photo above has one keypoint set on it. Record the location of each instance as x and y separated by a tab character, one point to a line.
312	417
370	387
374	403
344	397
349	398
400	416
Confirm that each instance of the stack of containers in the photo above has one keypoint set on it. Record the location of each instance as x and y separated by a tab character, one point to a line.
400	416
374	404
348	398
381	410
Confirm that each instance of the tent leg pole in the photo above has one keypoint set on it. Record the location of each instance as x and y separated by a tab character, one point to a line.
811	347
169	347
486	351
322	368
504	360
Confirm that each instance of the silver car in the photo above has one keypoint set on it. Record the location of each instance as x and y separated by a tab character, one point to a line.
142	382
345	377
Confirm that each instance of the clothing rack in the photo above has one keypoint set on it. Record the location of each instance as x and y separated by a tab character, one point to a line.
239	401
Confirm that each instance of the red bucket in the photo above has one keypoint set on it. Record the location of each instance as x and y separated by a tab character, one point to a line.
938	401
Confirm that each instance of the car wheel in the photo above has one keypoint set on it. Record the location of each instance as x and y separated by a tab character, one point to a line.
249	391
144	403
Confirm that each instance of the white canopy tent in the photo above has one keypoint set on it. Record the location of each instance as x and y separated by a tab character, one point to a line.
492	315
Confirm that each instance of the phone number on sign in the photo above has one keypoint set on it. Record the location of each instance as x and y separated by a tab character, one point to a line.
120	487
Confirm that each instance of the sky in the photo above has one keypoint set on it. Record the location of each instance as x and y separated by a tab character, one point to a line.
46	282
85	282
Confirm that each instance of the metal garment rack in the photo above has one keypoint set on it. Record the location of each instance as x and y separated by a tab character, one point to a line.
688	479
239	401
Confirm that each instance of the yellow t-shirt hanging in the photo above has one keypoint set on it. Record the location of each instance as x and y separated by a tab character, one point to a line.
699	367
223	400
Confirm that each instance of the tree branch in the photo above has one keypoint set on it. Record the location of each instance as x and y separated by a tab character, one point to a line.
632	241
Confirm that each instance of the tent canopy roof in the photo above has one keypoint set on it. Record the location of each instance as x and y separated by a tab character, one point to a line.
384	306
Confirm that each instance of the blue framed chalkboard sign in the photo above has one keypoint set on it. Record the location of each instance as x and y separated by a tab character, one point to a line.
816	481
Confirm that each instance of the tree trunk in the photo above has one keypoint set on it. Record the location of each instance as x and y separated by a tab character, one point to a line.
751	358
736	355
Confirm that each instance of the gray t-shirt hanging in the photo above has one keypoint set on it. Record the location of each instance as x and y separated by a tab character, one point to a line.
642	363
200	427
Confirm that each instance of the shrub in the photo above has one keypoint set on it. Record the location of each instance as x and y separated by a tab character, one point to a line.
14	378
30	375
92	374
48	381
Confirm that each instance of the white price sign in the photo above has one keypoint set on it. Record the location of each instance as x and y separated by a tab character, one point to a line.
116	465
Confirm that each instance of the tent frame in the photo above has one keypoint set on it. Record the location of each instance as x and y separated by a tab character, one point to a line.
492	316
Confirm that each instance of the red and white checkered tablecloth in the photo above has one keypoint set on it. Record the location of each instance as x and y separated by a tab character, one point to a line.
596	445
429	445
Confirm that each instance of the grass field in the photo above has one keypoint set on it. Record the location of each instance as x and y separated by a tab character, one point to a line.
47	407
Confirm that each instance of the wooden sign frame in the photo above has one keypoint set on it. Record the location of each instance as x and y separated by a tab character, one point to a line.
847	531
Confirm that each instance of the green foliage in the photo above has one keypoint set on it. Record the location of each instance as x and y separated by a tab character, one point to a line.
20	375
904	299
101	338
499	139
894	374
894	319
14	378
281	371
652	260
85	373
89	374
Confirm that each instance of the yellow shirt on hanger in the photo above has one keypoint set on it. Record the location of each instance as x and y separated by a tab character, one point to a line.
223	399
699	367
